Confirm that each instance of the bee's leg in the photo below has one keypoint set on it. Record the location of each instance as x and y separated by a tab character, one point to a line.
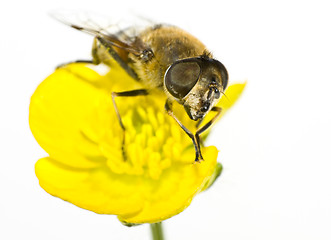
215	109
133	93
199	122
208	124
198	155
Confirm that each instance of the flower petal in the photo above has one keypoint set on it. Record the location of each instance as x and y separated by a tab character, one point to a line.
175	190
232	94
98	190
134	199
61	109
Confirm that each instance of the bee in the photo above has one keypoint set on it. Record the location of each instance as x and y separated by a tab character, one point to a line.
167	58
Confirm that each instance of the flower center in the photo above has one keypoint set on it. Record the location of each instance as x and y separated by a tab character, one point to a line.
153	140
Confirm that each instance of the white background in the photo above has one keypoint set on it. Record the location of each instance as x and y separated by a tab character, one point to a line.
275	142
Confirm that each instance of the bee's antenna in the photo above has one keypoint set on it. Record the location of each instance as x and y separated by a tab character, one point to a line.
225	96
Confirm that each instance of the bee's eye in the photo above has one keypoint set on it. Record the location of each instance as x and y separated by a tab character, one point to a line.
224	79
181	77
223	73
225	76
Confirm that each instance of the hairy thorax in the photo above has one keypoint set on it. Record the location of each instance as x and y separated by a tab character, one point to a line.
168	44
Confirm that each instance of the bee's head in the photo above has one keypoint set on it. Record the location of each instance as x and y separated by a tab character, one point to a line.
196	83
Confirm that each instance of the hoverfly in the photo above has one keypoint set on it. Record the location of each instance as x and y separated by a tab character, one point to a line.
164	57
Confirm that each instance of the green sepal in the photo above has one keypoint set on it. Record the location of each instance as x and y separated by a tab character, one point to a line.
216	174
127	224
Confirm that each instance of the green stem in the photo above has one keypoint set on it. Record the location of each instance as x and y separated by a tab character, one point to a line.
157	231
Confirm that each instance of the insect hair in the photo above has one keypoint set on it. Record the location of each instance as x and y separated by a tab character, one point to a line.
206	54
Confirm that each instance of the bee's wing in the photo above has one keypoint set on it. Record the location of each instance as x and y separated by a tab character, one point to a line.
120	38
117	34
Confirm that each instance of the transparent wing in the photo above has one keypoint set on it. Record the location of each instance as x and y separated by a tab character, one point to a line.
120	34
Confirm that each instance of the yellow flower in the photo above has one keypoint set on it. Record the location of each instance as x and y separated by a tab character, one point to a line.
73	119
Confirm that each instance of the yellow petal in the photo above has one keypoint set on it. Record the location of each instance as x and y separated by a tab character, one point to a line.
134	199
232	94
98	190
175	190
61	110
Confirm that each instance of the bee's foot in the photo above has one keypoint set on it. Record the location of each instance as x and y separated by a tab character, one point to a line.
124	154
198	159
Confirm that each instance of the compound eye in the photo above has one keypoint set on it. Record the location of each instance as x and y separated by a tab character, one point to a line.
225	76
224	79
181	77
